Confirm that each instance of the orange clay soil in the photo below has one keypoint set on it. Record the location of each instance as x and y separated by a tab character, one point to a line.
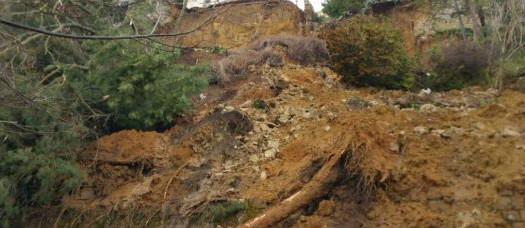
454	159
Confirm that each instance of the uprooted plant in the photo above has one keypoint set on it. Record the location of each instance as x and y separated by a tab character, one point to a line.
300	50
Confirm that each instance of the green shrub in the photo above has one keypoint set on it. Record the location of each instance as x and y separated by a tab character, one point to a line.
40	133
455	66
368	51
140	89
222	211
337	8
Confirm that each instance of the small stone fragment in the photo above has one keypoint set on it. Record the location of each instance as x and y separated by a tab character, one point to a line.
270	153
264	175
507	132
420	130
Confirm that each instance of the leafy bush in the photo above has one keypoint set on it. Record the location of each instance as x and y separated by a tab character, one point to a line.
40	131
457	65
368	51
337	8
141	89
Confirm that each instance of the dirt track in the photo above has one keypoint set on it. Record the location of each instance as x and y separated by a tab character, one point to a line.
451	159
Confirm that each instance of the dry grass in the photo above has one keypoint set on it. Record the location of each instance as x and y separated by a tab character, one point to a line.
302	50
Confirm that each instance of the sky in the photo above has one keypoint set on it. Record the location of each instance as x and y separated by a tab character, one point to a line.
316	3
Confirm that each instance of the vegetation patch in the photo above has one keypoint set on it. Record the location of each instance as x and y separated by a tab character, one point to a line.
368	51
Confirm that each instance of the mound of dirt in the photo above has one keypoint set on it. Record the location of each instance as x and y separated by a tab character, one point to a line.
285	143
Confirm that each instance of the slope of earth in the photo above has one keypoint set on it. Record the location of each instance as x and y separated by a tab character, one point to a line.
452	159
236	24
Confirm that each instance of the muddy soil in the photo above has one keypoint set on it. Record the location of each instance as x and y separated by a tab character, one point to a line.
454	159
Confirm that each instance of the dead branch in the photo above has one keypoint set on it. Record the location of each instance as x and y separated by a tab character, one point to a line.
81	37
316	188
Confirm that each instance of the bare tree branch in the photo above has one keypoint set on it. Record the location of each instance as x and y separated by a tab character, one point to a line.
82	37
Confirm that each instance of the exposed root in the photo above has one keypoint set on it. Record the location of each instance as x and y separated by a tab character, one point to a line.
366	157
318	186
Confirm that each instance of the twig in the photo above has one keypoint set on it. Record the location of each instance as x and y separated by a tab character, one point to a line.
173	176
159	14
81	37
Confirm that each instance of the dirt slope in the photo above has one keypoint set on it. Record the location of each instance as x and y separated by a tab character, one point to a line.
452	159
237	24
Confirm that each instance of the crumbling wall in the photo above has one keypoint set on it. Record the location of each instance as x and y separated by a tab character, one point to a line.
238	24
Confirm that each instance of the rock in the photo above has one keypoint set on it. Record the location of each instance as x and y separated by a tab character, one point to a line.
357	104
273	144
395	147
271	153
331	115
254	158
247	104
420	130
327	128
429	108
308	115
264	175
424	92
507	132
511	216
438	132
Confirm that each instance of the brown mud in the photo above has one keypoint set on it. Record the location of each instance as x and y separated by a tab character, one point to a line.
453	159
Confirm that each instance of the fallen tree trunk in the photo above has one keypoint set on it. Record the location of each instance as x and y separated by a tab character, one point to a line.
316	188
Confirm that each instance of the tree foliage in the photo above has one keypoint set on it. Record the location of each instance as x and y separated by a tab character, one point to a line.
57	94
337	8
140	88
368	51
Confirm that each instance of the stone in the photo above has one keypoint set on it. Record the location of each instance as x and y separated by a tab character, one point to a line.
424	92
395	147
511	216
429	108
308	115
271	153
420	130
438	132
326	128
508	132
247	104
273	144
264	175
357	104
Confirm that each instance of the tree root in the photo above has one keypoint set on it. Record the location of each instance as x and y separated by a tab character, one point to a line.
317	187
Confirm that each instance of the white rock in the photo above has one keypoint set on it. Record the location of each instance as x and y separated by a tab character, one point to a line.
438	131
420	130
273	144
507	132
327	128
264	175
247	104
271	153
425	91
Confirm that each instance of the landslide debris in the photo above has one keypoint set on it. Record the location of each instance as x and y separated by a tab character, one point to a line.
374	158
